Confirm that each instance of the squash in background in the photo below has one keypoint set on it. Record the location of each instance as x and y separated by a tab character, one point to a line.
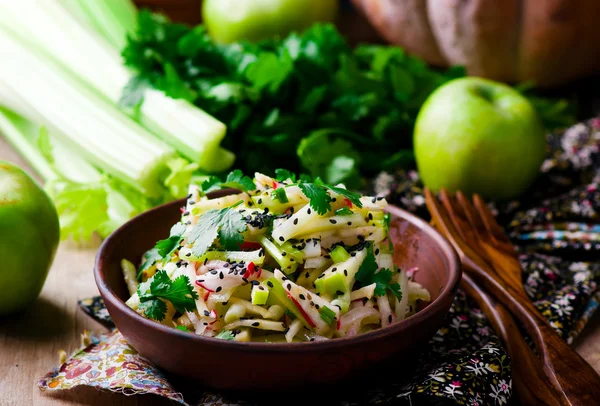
547	41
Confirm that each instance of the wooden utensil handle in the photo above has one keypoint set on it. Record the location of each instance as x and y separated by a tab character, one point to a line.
532	385
567	370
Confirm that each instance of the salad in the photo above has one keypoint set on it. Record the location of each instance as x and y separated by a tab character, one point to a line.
279	260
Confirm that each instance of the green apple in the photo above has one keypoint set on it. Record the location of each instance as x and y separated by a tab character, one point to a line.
29	235
478	136
253	20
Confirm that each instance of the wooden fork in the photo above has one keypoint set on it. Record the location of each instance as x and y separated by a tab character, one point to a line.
489	258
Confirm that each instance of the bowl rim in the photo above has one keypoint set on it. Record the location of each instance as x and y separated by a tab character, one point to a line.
429	312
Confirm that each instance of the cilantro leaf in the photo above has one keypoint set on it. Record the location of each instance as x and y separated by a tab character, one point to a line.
368	268
353	197
182	328
226	224
327	315
232	224
284	174
344	211
153	308
367	274
235	179
318	197
225	335
166	247
179	292
150	258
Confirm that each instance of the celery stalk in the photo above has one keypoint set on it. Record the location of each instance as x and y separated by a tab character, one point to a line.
90	125
86	201
188	129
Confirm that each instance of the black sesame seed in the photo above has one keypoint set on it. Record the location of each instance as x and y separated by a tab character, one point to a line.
187	223
254	283
226	265
334	269
270	284
260	201
189	254
191	202
360	237
188	196
333	199
332	221
206	313
283	254
307	275
219	288
317	306
353	254
312	303
281	238
374	200
261	288
295	221
266	210
302	296
205	323
245	280
370	216
236	331
377	251
285	278
205	261
221	276
214	272
309	211
345	272
339	292
289	286
320	276
255	324
380	198
390	318
186	213
312	339
349	223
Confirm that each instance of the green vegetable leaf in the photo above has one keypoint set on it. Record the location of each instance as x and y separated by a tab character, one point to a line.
150	258
368	268
284	174
182	328
344	211
227	224
367	274
382	280
327	314
235	179
153	308
164	248
353	197
225	335
179	292
318	197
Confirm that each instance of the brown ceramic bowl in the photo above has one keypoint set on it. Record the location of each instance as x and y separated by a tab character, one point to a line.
235	365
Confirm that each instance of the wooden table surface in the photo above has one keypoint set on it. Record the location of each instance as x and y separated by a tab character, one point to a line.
29	342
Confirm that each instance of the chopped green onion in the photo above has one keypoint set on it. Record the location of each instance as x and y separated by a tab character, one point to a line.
280	195
327	314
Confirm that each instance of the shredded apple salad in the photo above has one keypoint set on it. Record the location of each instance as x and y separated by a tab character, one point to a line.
283	259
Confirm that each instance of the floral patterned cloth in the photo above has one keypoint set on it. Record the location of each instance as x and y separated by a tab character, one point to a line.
555	228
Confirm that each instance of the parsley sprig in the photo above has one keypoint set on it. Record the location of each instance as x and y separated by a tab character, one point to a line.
235	179
367	274
227	224
179	292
